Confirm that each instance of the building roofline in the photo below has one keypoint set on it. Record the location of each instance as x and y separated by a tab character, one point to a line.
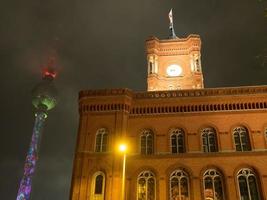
173	40
220	91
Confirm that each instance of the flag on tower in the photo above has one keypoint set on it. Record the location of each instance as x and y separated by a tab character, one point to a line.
170	17
171	28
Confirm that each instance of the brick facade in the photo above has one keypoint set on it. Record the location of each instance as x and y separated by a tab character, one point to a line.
125	114
122	114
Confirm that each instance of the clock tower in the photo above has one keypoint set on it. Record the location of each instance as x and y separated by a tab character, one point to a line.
174	64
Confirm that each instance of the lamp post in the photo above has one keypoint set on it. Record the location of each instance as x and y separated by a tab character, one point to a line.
123	149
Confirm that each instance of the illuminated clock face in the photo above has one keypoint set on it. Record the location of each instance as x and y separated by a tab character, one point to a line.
174	70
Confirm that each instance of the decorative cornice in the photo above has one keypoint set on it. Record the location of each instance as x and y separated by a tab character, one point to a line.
191	36
183	46
105	92
227	91
182	107
248	90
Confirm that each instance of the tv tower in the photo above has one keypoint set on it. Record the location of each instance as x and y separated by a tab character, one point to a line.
43	99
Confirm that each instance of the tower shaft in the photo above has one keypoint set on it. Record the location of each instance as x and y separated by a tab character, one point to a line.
32	157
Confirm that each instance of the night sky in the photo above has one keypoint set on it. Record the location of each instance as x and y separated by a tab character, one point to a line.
100	44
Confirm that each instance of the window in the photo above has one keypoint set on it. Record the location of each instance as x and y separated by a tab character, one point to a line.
197	65
213	185
209	140
248	186
147	146
98	186
101	140
150	67
241	139
177	141
146	186
179	185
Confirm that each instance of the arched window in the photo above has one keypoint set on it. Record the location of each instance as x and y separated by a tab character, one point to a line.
179	185
241	139
146	186
147	146
248	185
101	140
209	140
177	141
197	65
98	186
213	185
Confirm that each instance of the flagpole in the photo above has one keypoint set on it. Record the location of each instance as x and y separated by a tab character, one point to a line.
171	27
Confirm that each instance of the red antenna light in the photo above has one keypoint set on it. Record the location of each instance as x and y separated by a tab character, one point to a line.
49	70
49	73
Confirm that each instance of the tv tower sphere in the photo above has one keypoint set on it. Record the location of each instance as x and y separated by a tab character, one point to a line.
45	94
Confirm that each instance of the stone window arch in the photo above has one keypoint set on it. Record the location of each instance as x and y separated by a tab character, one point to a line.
146	186
177	140
241	139
248	185
179	185
101	143
147	142
213	185
98	186
209	140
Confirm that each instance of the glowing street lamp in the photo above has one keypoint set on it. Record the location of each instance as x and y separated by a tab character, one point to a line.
123	149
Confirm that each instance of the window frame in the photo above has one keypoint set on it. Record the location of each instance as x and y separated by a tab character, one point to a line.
93	185
185	175
101	132
207	136
177	132
216	173
146	133
251	172
143	175
236	132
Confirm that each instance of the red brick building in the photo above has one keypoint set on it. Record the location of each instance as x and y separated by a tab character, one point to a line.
184	141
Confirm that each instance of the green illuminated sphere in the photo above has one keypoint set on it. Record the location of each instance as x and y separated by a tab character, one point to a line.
45	95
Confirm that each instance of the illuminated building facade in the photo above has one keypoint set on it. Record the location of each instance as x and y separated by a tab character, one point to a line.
185	141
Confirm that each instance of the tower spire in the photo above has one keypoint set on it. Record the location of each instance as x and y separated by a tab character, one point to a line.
44	99
171	28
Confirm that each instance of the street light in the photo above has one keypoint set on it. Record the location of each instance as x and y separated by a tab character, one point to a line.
123	149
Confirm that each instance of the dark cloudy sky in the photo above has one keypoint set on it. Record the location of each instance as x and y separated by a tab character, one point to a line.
100	44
